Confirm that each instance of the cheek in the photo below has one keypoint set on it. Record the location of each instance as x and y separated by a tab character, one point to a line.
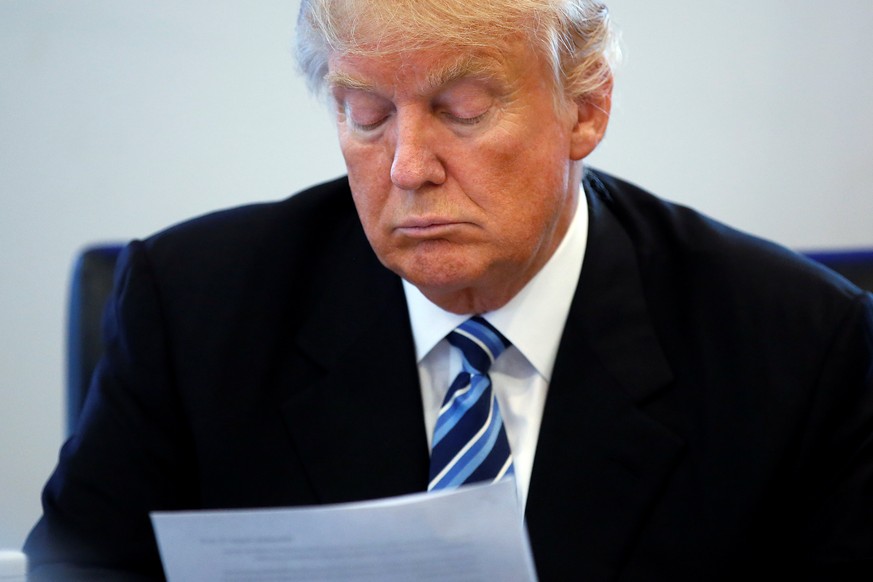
369	174
370	204
524	189
371	214
371	195
518	173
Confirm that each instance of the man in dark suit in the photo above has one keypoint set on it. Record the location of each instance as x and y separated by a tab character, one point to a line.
681	401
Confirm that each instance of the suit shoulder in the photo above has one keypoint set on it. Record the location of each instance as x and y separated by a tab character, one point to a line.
239	246
710	256
260	259
657	225
305	213
304	220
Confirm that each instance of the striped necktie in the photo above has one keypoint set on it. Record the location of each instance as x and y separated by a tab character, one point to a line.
469	441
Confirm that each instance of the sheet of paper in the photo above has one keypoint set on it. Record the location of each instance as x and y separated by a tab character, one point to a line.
470	534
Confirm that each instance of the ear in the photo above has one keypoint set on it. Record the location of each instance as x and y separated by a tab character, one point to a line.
591	121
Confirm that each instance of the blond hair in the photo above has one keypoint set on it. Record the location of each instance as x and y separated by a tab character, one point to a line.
575	37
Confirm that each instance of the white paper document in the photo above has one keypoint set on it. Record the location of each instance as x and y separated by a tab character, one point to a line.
469	534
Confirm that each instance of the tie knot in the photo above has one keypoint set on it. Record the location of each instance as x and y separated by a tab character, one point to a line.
479	342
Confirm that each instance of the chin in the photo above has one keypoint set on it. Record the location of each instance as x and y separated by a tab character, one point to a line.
440	266
436	281
439	275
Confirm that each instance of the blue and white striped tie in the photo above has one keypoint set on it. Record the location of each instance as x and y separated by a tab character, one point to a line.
469	441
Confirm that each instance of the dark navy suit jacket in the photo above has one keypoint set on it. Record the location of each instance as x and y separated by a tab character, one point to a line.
710	414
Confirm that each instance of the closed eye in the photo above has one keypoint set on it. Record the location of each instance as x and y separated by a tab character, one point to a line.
363	111
467	120
367	126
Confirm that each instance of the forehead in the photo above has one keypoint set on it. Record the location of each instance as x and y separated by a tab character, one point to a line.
421	71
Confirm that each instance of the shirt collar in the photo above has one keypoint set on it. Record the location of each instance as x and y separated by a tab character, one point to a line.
545	300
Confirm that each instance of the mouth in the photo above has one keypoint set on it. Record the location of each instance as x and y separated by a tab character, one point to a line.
427	227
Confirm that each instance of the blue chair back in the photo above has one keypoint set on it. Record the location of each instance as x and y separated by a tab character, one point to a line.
89	290
854	265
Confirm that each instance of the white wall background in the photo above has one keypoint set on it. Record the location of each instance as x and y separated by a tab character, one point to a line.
120	117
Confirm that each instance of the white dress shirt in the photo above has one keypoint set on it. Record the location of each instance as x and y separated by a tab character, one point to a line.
533	321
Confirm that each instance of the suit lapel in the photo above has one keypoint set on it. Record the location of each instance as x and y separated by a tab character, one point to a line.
357	422
601	460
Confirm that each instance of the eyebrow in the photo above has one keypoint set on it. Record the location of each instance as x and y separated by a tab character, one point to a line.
346	81
467	67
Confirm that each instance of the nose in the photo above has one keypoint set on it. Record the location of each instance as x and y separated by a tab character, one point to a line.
415	162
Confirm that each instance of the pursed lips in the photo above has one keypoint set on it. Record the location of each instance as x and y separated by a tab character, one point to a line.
427	227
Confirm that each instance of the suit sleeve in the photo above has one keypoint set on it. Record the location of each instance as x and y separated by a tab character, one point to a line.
839	487
131	453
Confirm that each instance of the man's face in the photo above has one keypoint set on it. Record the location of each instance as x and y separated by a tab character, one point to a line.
463	170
